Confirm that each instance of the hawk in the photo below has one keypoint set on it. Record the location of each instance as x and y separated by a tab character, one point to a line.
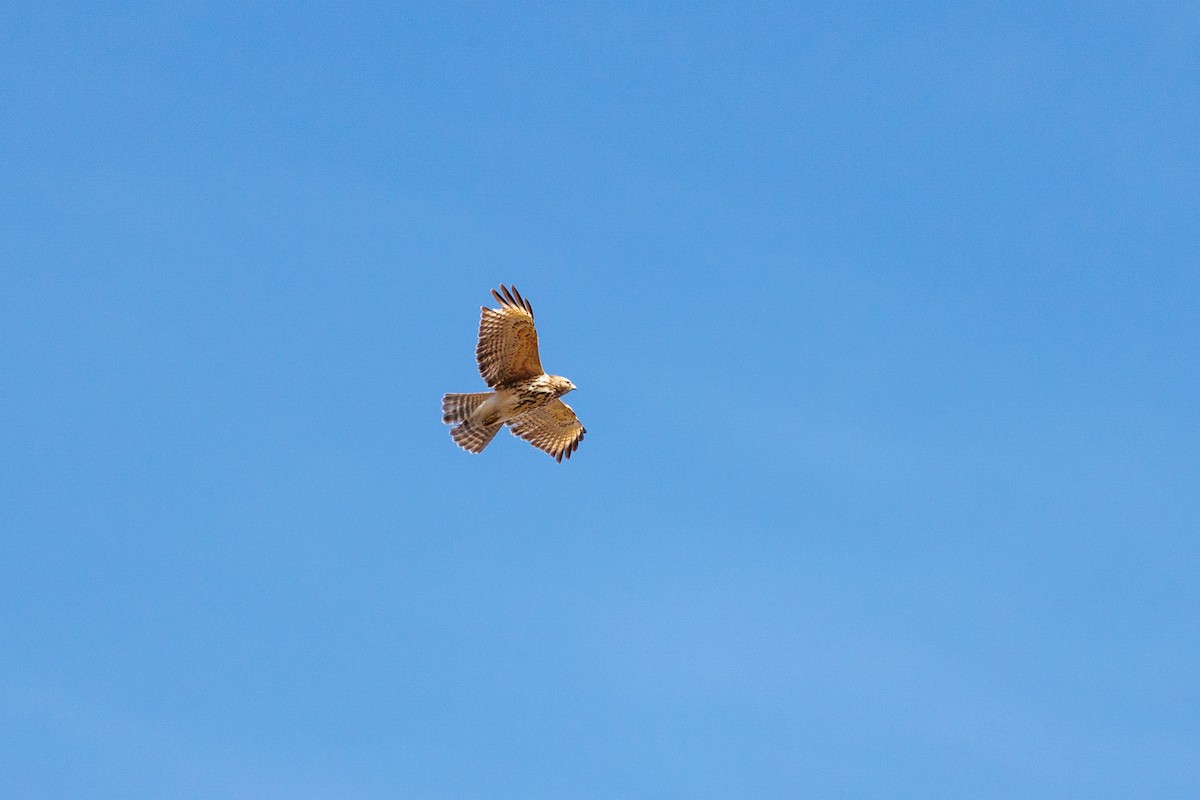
524	397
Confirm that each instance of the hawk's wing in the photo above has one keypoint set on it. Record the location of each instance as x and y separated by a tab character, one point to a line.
508	347
552	427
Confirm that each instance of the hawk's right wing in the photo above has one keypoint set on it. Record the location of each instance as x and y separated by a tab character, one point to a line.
508	345
552	427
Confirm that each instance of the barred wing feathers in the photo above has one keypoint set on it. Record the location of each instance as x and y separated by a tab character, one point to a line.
552	427
508	345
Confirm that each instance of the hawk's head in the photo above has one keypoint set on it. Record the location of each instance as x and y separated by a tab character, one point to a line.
561	385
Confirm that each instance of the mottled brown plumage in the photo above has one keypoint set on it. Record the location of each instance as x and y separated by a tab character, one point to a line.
552	427
524	396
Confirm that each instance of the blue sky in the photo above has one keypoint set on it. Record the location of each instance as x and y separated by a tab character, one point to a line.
884	323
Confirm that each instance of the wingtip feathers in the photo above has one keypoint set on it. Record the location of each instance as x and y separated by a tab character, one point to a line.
509	297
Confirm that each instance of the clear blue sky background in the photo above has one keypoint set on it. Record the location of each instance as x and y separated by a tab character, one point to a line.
885	328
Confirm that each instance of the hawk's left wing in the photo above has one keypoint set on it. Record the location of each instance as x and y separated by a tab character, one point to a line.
508	345
552	427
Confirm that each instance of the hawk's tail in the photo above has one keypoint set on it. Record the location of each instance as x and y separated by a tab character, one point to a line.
468	435
457	407
473	436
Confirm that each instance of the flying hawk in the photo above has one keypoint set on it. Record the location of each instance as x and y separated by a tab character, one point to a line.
524	397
